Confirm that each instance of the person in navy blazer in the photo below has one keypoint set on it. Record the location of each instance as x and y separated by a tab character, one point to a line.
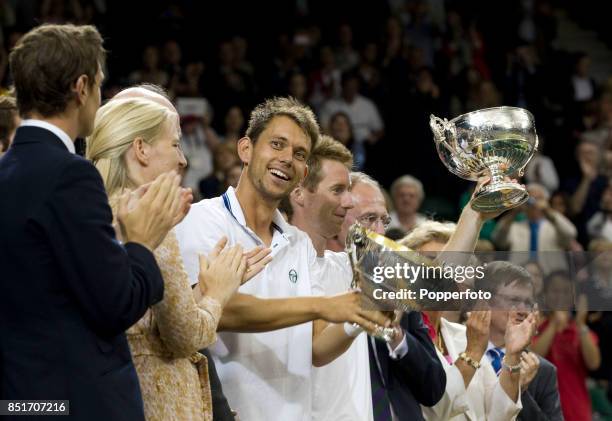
68	288
412	377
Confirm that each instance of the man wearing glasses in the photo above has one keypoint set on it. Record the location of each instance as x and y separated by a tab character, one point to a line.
369	209
513	292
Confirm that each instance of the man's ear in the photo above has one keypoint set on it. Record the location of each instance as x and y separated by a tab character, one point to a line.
81	89
297	196
141	151
245	150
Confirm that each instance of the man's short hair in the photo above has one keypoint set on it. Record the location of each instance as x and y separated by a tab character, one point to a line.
541	188
327	148
47	61
429	231
409	181
498	274
283	106
8	110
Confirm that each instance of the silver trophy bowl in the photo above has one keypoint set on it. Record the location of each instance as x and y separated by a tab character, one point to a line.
498	141
367	249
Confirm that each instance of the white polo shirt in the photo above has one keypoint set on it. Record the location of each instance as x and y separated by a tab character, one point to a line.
265	376
342	389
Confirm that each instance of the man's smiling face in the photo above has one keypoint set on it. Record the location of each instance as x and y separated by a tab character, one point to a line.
278	159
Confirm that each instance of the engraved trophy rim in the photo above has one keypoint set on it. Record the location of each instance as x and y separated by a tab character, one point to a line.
501	107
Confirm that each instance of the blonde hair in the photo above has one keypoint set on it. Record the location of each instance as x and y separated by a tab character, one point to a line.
428	231
327	148
117	124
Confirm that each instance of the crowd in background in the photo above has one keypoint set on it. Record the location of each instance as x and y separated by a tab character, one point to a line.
373	73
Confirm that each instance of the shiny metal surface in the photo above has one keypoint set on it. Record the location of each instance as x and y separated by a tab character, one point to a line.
498	140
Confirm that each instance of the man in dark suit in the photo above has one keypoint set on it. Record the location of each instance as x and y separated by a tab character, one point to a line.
406	373
512	288
69	289
541	399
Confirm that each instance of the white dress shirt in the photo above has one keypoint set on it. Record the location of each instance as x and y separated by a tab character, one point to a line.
52	128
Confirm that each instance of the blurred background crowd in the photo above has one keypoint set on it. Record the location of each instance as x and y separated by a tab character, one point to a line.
374	71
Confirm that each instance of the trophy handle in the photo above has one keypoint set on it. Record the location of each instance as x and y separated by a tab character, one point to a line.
535	149
440	128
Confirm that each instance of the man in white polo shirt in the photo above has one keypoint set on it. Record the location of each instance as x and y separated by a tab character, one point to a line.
341	389
266	373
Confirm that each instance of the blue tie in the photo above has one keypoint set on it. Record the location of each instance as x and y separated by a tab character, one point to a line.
534	227
496	355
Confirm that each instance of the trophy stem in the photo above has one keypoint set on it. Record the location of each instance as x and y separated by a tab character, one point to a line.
498	194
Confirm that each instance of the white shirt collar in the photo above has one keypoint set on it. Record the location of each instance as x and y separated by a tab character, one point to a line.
236	210
52	128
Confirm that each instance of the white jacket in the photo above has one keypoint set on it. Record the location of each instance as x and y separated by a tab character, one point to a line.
484	398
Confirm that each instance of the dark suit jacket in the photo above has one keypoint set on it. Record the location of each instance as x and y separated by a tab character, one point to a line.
541	399
416	379
68	289
221	408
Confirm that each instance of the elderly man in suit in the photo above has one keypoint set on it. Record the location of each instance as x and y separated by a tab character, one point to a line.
69	289
405	373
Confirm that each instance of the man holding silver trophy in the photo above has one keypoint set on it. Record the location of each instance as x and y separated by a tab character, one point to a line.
260	371
493	142
268	342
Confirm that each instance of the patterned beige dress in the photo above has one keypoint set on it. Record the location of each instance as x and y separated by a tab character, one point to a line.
173	375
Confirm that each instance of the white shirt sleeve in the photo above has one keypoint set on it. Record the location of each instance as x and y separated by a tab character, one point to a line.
198	234
596	224
498	405
328	109
541	169
376	122
564	227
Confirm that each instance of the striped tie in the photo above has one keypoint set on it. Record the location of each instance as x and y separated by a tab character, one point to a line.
380	399
496	355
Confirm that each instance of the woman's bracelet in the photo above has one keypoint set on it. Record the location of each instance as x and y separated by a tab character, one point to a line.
511	368
469	361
